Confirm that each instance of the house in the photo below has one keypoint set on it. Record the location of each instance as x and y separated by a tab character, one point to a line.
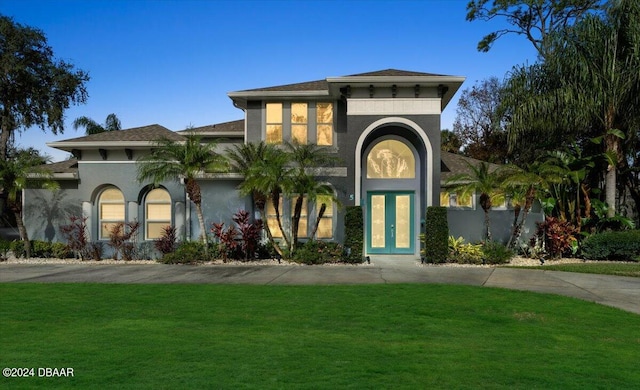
384	126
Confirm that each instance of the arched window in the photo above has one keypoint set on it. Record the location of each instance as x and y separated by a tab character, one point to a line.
157	213
110	210
391	159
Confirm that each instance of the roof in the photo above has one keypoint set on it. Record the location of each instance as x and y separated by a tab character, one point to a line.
233	128
454	164
130	138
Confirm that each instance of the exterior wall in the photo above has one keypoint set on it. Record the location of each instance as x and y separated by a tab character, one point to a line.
469	223
220	200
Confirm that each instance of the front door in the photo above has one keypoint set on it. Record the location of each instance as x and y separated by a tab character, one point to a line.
390	222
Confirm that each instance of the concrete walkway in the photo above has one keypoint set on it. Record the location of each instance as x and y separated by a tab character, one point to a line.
620	292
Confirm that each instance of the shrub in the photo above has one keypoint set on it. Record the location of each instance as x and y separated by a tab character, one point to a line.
94	251
612	245
318	252
250	233
18	249
496	253
120	236
44	249
168	240
227	242
558	237
188	252
76	235
353	234
463	253
5	246
436	235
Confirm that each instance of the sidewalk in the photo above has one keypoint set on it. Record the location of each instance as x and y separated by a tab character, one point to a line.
620	292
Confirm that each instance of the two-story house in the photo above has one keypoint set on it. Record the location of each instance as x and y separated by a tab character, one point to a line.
384	126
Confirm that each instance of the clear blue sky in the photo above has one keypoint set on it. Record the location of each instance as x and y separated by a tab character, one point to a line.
173	62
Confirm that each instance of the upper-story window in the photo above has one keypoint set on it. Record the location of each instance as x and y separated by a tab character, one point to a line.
274	123
324	123
299	122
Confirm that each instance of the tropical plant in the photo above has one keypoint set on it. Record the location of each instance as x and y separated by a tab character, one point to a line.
482	180
18	172
168	240
187	160
588	86
77	236
122	238
112	123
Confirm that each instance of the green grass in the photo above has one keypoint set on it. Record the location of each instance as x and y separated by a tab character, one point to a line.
616	269
360	337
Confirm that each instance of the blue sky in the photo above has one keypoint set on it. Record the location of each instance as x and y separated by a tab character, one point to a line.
173	62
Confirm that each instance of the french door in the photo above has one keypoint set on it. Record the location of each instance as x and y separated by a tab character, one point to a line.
390	222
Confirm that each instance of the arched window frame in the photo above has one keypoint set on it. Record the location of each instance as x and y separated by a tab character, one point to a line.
115	215
165	220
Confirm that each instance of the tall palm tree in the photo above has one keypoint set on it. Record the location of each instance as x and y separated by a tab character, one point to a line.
480	179
171	160
112	123
589	84
23	170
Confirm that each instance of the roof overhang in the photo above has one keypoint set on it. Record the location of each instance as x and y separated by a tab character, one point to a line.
68	146
240	98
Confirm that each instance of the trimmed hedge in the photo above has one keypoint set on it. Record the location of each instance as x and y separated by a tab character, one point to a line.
354	234
436	245
613	245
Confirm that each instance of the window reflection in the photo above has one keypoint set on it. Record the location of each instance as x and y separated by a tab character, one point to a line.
274	123
324	119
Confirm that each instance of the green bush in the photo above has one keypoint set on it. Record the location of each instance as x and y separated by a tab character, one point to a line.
187	252
318	252
353	234
496	253
17	247
5	247
436	235
620	245
463	253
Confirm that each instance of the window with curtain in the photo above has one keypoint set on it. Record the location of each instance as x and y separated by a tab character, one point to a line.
324	123
157	213
111	211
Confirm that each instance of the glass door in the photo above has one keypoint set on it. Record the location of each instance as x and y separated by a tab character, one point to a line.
390	222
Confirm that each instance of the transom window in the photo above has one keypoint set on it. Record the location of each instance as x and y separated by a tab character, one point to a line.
391	159
157	213
110	210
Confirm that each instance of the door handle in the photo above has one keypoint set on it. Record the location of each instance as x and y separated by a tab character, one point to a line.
392	231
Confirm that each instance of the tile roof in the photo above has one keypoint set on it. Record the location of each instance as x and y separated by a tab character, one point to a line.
393	72
144	133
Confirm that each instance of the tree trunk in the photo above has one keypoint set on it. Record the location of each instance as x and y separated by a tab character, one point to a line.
295	222
5	133
323	209
203	232
514	226
16	208
269	234
610	194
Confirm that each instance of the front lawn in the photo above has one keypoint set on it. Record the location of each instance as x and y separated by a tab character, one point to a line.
329	337
603	268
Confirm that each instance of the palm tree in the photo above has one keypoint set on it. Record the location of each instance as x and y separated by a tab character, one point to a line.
481	179
112	123
171	160
23	170
589	84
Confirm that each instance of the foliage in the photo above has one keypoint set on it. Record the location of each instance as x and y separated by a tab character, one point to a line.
227	239
496	253
122	238
464	253
600	221
482	179
183	160
18	248
600	268
449	141
44	249
436	235
612	245
168	240
36	87
75	233
5	247
479	126
556	237
112	123
319	252
95	249
187	252
536	20
250	233
353	234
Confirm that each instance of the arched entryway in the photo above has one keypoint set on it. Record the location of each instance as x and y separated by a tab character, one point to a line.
392	187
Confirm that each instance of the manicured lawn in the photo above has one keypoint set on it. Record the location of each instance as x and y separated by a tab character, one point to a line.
616	269
328	337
